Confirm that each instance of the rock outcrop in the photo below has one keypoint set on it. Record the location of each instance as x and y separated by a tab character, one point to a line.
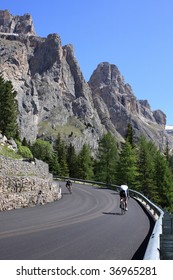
16	24
54	97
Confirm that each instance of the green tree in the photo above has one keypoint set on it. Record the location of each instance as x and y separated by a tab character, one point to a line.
8	109
164	182
127	166
43	150
72	161
61	156
106	163
130	134
24	142
146	165
85	163
167	151
55	164
171	162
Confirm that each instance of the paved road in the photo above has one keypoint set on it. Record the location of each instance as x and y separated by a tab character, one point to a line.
83	225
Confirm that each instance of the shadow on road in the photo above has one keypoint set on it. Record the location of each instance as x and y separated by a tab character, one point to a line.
65	193
111	213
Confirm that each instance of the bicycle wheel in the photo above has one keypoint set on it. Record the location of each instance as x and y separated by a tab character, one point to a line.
122	207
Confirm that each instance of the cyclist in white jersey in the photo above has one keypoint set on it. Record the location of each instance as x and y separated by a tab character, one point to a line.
124	193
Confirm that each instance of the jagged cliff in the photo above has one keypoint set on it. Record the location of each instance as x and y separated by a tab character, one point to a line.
53	95
117	105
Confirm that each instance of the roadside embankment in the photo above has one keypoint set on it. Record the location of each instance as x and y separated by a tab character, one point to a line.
25	183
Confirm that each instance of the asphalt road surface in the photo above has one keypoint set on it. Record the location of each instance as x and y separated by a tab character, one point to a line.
84	225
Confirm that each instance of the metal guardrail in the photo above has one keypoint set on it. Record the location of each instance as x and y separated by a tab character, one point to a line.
153	248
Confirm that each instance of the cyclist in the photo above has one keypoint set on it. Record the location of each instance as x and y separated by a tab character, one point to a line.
69	185
124	194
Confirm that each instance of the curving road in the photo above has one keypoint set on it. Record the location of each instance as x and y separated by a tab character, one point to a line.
83	225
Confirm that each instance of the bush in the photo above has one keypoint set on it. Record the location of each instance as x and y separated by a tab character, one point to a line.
24	151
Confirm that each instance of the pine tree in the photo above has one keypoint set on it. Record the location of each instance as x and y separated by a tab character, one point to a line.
85	164
8	109
55	164
63	161
106	163
61	155
130	134
167	151
146	156
72	161
164	182
171	162
24	142
127	166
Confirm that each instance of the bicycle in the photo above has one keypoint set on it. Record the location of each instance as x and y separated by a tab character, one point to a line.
123	206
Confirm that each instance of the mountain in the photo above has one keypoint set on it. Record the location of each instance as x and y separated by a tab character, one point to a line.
54	97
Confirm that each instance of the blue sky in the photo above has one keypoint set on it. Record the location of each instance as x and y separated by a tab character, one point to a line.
135	35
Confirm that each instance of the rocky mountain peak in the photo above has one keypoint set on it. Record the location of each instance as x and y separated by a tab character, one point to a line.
53	96
106	74
16	24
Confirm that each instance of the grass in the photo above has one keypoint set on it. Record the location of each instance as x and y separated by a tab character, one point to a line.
74	128
6	152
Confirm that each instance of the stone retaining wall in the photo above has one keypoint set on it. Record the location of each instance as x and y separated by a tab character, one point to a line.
28	167
25	184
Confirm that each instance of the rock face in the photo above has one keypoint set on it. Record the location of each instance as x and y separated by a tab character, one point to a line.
117	105
25	184
16	24
54	97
